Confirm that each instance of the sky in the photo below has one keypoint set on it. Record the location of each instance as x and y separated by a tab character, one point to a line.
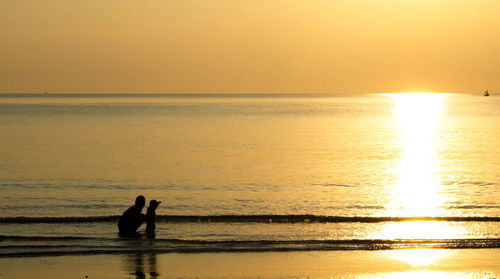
249	46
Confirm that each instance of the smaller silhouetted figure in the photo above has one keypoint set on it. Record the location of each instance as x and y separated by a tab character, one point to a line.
151	218
132	218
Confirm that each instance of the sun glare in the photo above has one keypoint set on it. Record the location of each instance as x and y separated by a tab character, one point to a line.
419	257
416	192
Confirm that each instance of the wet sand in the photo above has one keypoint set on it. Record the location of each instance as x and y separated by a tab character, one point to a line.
417	263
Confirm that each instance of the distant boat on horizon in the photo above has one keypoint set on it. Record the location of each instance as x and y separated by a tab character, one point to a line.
486	93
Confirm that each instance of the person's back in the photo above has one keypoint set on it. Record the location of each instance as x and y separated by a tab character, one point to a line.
132	218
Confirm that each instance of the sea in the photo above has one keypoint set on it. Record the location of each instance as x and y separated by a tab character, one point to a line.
249	172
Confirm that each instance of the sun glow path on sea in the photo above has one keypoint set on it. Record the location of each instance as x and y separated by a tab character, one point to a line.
416	191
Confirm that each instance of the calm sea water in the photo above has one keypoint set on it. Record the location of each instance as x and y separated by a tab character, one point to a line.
261	156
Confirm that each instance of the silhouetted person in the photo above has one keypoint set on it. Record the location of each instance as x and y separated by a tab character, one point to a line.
151	218
132	218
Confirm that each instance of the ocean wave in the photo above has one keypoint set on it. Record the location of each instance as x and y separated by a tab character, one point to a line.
126	246
254	218
41	238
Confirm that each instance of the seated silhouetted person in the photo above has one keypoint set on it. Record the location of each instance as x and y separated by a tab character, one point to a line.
132	218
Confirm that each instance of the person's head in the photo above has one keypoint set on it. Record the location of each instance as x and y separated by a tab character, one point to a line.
140	201
153	204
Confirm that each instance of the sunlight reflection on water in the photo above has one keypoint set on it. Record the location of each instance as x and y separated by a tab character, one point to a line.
416	192
421	230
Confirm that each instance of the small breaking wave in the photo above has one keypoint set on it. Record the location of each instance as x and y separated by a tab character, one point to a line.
40	246
252	218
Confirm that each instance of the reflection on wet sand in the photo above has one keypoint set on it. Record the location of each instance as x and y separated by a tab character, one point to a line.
419	257
414	274
408	263
141	265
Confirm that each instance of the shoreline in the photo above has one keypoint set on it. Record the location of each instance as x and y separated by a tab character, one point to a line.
406	263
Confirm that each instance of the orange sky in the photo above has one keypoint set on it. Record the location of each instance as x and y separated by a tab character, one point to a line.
295	46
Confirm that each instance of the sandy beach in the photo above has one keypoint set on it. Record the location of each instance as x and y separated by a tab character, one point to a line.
418	263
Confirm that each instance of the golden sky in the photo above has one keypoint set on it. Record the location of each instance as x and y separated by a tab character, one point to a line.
295	46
